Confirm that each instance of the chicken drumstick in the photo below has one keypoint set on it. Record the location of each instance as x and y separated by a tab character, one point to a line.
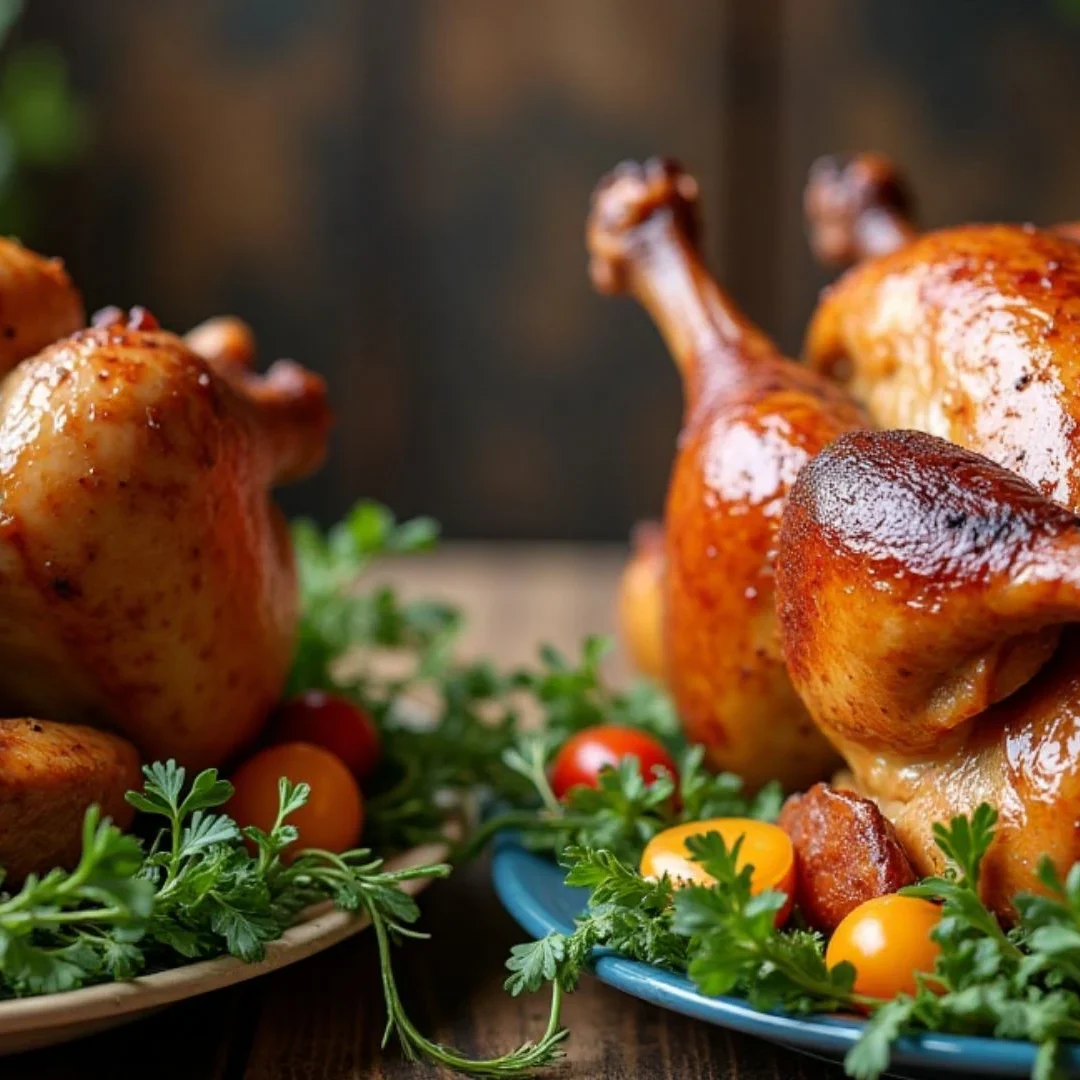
752	419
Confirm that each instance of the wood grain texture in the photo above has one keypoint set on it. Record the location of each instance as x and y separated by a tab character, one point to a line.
323	1019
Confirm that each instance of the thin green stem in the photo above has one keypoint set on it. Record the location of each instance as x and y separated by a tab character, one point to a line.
520	1061
524	820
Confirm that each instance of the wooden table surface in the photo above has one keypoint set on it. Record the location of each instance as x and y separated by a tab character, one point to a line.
323	1018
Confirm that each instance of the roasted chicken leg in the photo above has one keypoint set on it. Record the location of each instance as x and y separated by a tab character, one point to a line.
146	579
752	419
921	589
856	208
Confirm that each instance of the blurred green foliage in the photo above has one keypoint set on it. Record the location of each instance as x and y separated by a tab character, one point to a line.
43	124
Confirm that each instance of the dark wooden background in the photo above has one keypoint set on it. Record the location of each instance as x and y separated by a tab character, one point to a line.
394	193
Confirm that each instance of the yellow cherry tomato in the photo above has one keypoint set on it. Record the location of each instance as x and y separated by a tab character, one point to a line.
887	940
766	848
334	813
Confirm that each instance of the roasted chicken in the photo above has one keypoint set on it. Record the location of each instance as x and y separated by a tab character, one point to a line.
971	333
38	303
146	579
49	774
856	208
921	589
752	419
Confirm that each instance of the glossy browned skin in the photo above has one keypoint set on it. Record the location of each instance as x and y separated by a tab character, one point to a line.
751	420
918	584
49	775
846	852
146	579
856	208
641	600
38	303
972	334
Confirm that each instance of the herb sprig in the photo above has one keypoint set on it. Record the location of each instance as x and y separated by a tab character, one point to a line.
206	888
1021	984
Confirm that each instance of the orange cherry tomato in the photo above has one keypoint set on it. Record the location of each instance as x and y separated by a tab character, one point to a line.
766	848
333	722
887	939
334	813
583	755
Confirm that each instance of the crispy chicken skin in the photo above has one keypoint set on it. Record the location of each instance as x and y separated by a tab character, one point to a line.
49	775
146	579
846	852
972	334
751	420
38	303
921	588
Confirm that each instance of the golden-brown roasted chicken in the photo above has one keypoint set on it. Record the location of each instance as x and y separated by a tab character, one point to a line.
146	579
970	333
49	774
38	303
752	419
920	591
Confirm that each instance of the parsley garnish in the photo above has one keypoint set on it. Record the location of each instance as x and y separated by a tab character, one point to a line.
1024	984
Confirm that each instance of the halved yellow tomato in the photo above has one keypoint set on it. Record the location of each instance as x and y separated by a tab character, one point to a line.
766	848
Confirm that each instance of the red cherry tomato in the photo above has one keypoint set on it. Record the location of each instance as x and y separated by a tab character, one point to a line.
333	816
333	722
583	756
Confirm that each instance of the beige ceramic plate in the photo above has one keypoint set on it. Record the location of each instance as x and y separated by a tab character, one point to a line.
29	1023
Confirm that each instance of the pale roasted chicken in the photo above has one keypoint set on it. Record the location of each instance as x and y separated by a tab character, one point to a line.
752	419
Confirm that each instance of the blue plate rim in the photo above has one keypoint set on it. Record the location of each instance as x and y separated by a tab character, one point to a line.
521	878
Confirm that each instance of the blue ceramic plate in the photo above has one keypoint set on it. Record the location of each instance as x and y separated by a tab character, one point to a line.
531	888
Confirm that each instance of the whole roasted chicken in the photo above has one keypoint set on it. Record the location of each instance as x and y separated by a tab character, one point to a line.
146	580
921	591
752	419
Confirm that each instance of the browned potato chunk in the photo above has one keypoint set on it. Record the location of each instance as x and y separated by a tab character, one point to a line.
846	852
49	774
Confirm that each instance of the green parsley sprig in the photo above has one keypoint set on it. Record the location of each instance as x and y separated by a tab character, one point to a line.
1021	984
206	888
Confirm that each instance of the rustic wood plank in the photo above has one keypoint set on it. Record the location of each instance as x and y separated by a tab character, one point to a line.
206	1038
